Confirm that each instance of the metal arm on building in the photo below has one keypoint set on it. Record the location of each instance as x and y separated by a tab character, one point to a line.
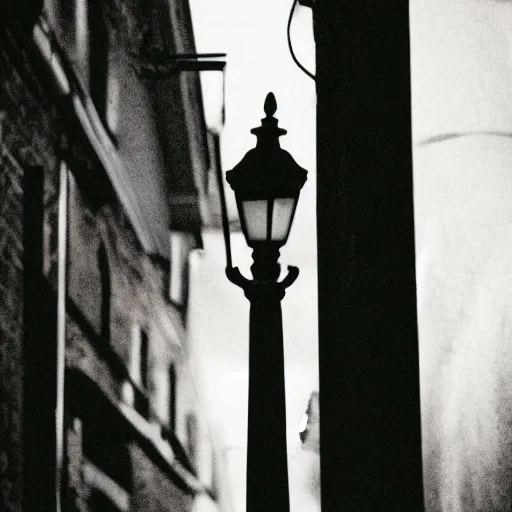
158	64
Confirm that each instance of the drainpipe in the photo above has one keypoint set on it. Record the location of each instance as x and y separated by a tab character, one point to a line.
61	329
45	47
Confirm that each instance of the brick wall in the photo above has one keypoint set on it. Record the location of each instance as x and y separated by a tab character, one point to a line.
11	292
28	136
137	297
169	498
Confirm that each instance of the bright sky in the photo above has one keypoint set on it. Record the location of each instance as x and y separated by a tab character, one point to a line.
253	34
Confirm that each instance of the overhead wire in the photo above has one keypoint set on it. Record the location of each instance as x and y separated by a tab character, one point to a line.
292	10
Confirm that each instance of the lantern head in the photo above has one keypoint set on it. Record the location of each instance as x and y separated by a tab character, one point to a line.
267	184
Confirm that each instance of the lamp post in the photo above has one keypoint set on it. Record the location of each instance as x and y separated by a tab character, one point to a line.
267	184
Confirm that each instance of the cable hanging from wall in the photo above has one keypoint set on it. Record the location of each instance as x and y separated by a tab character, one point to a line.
292	10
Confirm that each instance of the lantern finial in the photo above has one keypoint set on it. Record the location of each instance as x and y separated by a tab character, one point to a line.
269	129
270	106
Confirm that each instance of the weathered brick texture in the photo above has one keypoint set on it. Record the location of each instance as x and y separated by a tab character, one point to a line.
25	128
29	132
137	296
147	477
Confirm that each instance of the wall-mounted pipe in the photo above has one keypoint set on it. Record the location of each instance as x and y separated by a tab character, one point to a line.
61	329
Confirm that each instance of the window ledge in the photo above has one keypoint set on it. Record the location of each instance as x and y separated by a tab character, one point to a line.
152	431
83	391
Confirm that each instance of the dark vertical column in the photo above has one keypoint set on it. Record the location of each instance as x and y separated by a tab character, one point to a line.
267	465
39	355
369	376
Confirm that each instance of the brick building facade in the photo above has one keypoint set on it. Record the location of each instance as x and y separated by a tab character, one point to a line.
101	169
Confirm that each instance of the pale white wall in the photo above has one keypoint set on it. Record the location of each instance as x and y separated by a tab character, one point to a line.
462	126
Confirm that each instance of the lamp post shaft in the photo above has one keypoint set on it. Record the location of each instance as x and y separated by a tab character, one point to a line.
267	465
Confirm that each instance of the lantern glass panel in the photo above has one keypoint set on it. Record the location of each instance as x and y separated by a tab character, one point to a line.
255	217
282	217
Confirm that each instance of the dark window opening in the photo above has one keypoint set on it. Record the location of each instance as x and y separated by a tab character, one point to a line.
105	292
98	57
144	355
211	184
107	450
172	397
99	502
142	399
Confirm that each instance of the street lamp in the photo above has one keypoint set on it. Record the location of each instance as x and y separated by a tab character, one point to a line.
267	184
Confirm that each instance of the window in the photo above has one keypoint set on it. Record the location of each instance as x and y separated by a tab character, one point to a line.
104	270
181	243
141	375
137	397
106	465
98	57
98	500
212	186
144	355
192	437
172	396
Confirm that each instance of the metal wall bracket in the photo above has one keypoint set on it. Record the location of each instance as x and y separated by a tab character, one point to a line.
157	64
